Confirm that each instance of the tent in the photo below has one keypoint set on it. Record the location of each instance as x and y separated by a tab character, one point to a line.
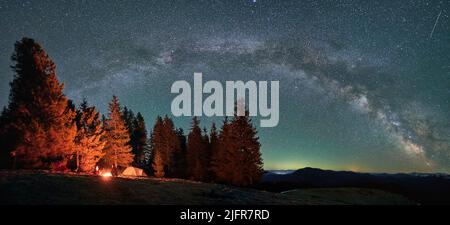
133	172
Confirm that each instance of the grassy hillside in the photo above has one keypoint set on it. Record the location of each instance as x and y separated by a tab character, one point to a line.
39	187
345	196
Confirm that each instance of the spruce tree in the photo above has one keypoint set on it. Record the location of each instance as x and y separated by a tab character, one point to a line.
172	145
213	137
118	152
7	159
158	165
89	142
139	139
237	158
212	149
165	144
248	165
179	157
195	148
39	128
205	155
223	157
157	146
128	117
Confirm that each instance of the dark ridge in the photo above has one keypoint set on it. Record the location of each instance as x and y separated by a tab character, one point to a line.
420	187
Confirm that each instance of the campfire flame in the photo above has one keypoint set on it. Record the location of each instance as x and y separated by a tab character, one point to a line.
106	174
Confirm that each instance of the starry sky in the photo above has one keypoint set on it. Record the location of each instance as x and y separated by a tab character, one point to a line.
364	85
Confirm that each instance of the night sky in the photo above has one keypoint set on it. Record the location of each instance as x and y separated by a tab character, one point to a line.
364	85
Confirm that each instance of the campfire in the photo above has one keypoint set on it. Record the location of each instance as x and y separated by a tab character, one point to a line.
105	174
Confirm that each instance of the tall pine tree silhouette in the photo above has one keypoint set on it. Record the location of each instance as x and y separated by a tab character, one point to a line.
139	140
138	134
248	165
172	145
118	152
128	117
237	157
90	141
195	151
157	143
212	149
38	126
179	156
223	157
205	155
165	145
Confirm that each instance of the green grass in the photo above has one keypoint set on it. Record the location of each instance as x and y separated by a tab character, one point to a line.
40	187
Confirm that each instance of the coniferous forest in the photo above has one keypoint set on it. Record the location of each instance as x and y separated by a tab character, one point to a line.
41	128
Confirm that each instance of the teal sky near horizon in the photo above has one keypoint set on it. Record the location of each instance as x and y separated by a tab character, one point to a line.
364	85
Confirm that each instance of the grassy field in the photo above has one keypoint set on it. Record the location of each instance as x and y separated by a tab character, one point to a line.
40	187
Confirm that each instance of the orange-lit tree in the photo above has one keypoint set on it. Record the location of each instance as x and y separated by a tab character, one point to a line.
165	143
117	150
158	165
223	157
90	141
237	158
39	127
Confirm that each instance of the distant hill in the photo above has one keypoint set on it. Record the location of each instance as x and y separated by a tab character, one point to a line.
421	187
281	171
41	187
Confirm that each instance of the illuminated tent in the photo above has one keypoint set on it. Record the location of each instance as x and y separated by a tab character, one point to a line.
133	172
